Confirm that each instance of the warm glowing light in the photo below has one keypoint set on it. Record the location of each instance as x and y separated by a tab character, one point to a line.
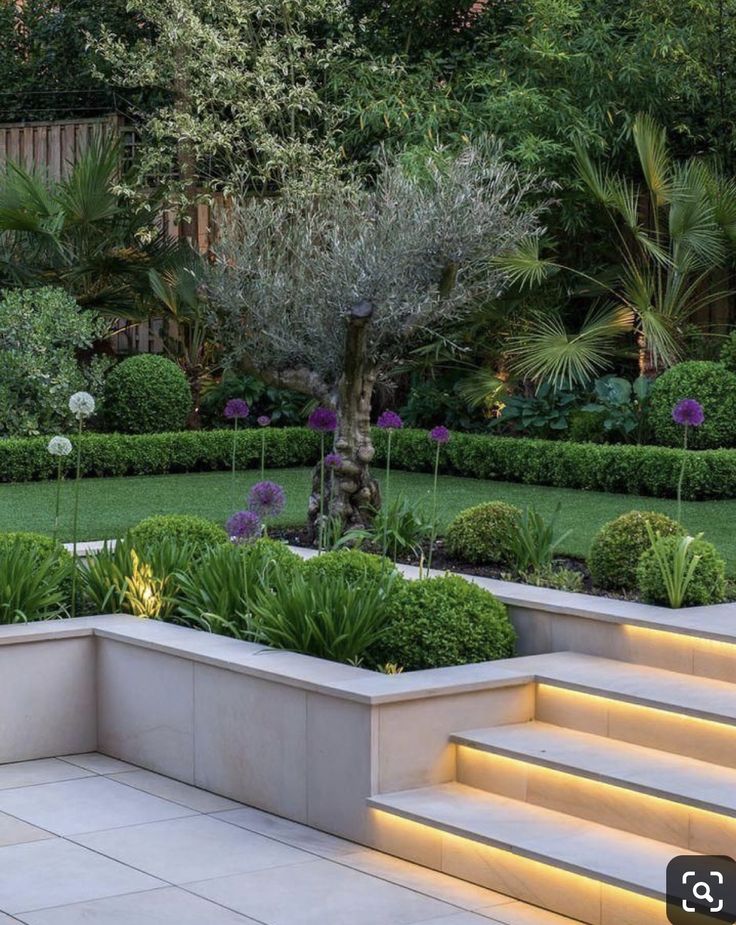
606	802
143	591
576	895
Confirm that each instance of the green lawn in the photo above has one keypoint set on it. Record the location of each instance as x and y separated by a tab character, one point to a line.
109	506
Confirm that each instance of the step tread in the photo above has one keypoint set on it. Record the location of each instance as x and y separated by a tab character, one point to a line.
668	690
647	770
631	862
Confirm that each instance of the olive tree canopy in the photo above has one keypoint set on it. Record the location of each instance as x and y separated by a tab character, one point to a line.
325	295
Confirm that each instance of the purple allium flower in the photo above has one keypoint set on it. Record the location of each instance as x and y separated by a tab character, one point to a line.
439	435
323	420
263	421
236	408
390	420
266	499
688	413
333	460
243	526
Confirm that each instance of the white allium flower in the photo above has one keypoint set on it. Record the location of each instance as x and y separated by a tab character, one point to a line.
82	405
59	446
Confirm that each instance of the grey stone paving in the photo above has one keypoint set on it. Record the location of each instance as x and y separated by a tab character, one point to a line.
89	839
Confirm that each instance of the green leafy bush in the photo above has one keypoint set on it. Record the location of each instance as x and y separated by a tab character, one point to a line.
146	394
184	528
349	564
443	621
42	332
285	408
713	386
728	352
618	545
484	533
587	427
269	553
681	572
35	578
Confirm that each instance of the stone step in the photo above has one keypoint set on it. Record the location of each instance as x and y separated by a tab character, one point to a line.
582	869
671	798
661	709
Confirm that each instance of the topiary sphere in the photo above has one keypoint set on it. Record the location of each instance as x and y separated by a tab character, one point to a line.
708	584
618	545
184	528
709	383
146	394
443	621
273	553
351	565
483	534
35	544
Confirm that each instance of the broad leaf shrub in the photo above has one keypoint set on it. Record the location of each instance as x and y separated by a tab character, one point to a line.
707	584
618	545
713	386
184	528
443	621
484	533
146	394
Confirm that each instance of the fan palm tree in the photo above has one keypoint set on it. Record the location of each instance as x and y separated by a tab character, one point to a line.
672	232
82	234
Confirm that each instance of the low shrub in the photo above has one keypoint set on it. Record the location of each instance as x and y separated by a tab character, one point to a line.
630	469
268	553
709	383
184	528
32	544
618	545
666	573
443	621
349	564
484	533
146	394
728	352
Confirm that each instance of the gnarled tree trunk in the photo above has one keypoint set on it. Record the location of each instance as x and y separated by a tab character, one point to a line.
351	493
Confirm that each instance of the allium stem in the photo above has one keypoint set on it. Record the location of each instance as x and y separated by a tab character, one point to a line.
321	491
682	478
58	499
233	491
263	453
75	516
386	495
433	537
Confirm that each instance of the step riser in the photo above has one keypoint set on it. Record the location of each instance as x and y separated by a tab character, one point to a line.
521	878
641	725
617	807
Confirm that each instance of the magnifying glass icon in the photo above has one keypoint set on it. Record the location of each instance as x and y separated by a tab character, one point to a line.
701	890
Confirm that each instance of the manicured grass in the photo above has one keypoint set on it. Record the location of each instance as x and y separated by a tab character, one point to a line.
109	506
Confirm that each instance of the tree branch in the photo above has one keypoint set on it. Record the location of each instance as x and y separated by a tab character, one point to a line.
300	380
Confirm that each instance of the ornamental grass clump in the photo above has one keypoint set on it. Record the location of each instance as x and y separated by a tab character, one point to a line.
323	421
681	571
60	447
687	413
34	579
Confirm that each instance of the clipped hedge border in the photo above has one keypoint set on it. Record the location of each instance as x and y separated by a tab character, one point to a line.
639	470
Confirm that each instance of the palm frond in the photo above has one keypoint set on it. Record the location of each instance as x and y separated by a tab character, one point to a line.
481	388
651	144
525	267
88	195
548	352
695	233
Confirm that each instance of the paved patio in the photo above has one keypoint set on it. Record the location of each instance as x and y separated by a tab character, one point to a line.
89	839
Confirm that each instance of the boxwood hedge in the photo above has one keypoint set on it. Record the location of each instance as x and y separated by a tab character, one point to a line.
639	470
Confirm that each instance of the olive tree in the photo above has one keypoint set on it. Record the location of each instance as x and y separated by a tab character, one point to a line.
327	295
